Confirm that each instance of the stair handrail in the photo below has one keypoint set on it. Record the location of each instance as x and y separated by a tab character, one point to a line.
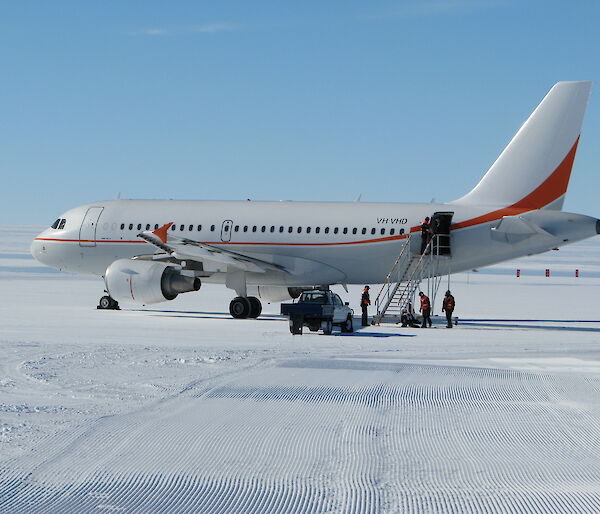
386	286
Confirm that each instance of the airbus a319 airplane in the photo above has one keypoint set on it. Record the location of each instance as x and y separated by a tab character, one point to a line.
150	251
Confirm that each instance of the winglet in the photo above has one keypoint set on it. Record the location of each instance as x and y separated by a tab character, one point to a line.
161	232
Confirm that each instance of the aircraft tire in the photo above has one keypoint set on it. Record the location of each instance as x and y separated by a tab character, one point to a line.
105	302
255	307
239	307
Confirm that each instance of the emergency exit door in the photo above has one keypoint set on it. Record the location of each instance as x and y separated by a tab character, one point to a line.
87	232
226	231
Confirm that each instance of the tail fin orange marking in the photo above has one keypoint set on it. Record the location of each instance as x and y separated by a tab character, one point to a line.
161	232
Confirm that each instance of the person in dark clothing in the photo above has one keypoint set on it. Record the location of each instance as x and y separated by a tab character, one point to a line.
407	318
365	301
425	310
425	234
448	306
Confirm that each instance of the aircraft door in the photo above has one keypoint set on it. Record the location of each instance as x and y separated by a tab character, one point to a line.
226	231
87	232
440	226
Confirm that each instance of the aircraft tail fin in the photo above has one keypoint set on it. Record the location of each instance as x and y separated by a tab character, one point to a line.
534	169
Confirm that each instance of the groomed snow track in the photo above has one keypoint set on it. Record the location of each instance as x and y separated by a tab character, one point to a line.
356	435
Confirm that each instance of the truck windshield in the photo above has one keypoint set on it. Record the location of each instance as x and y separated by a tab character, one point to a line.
314	297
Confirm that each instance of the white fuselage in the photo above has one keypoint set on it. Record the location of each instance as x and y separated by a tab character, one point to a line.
317	242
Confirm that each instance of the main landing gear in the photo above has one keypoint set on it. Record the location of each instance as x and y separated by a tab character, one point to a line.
243	307
106	302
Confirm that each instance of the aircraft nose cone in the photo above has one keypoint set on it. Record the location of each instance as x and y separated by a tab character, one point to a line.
38	250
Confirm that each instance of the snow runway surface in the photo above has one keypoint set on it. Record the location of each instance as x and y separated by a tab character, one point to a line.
183	409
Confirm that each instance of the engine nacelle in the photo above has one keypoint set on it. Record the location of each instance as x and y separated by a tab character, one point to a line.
275	293
147	282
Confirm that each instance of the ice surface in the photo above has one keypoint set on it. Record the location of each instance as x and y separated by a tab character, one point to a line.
178	408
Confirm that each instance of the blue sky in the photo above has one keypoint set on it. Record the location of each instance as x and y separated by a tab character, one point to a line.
397	101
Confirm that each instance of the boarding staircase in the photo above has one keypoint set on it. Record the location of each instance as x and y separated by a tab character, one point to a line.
408	272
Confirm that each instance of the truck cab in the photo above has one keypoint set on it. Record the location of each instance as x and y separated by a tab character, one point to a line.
318	309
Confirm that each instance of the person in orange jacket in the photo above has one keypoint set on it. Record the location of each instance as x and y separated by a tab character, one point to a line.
365	301
425	310
448	306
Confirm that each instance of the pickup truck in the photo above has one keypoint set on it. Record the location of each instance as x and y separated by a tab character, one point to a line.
318	310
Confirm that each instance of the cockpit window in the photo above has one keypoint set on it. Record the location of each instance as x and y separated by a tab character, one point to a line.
62	224
55	224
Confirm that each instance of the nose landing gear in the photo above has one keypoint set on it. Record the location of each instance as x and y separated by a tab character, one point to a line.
243	307
108	303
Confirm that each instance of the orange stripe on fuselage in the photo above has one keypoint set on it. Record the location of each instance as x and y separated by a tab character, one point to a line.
547	192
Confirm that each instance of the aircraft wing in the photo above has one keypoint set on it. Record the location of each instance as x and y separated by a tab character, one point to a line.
187	249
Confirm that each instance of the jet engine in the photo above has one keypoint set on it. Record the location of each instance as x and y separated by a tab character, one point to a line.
276	293
147	282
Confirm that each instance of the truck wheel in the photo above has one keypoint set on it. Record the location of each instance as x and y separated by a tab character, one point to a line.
296	323
239	307
348	326
328	328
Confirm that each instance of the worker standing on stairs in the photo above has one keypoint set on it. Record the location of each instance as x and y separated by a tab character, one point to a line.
425	234
425	310
365	301
448	306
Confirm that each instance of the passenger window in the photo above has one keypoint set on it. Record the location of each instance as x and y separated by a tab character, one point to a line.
354	230
290	229
62	224
272	228
181	227
191	227
199	228
263	228
308	230
173	226
139	226
327	230
318	229
345	231
131	226
364	230
122	226
392	231
336	230
245	228
212	228
382	231
236	228
401	231
55	224
147	226
280	229
156	227
299	230
373	231
226	228
254	228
